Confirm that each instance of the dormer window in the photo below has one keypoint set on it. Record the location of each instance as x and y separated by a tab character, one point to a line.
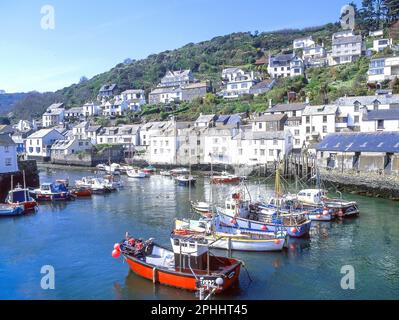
376	105
357	106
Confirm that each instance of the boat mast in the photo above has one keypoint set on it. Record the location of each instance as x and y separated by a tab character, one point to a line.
25	195
12	188
211	184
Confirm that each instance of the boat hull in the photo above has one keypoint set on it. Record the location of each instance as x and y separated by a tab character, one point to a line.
295	231
225	180
181	280
10	211
248	245
53	197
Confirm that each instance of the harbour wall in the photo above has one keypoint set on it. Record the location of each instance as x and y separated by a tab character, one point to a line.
31	177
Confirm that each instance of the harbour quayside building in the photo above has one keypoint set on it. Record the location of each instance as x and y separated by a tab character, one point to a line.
362	151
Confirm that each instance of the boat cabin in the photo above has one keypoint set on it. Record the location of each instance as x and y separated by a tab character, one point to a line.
237	207
312	196
190	253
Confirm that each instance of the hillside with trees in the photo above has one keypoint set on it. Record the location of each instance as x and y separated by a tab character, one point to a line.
207	59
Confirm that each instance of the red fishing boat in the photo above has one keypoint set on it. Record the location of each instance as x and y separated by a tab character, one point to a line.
21	196
225	177
188	266
81	192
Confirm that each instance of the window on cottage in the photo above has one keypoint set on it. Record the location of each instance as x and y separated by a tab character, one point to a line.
271	153
262	152
307	119
275	142
296	132
307	129
324	119
8	162
260	125
356	119
380	124
324	129
297	141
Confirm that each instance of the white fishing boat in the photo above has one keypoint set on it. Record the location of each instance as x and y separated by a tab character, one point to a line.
165	173
136	174
97	185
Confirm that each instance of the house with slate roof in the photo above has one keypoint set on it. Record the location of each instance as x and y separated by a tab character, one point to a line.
8	154
285	65
347	47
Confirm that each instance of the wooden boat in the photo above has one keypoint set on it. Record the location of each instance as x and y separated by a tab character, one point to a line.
137	174
149	170
82	192
21	196
229	238
53	192
225	177
188	266
186	180
9	210
112	182
203	208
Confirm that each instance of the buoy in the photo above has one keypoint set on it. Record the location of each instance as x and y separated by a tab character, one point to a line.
318	216
325	212
264	227
277	241
233	221
117	247
116	254
294	230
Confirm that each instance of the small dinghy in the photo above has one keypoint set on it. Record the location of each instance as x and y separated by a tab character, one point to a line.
165	173
9	210
189	265
179	172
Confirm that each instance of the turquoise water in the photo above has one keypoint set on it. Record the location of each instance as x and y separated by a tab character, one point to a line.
77	238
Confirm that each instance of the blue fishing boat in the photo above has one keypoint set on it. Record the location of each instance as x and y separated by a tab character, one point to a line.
228	238
239	213
186	180
53	192
9	210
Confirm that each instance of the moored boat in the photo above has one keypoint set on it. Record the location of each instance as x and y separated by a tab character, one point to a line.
21	196
137	174
186	180
149	170
9	210
203	208
53	192
229	238
188	266
165	173
82	192
96	185
311	198
225	177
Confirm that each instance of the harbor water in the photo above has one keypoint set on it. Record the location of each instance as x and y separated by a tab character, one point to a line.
76	238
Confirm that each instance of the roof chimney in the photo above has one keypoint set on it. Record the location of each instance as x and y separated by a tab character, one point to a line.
270	103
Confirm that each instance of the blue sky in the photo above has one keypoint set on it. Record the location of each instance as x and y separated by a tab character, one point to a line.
90	37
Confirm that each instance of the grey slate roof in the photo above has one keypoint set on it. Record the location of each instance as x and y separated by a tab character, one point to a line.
270	117
388	114
320	110
368	100
108	87
6	140
361	142
345	40
261	135
287	107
